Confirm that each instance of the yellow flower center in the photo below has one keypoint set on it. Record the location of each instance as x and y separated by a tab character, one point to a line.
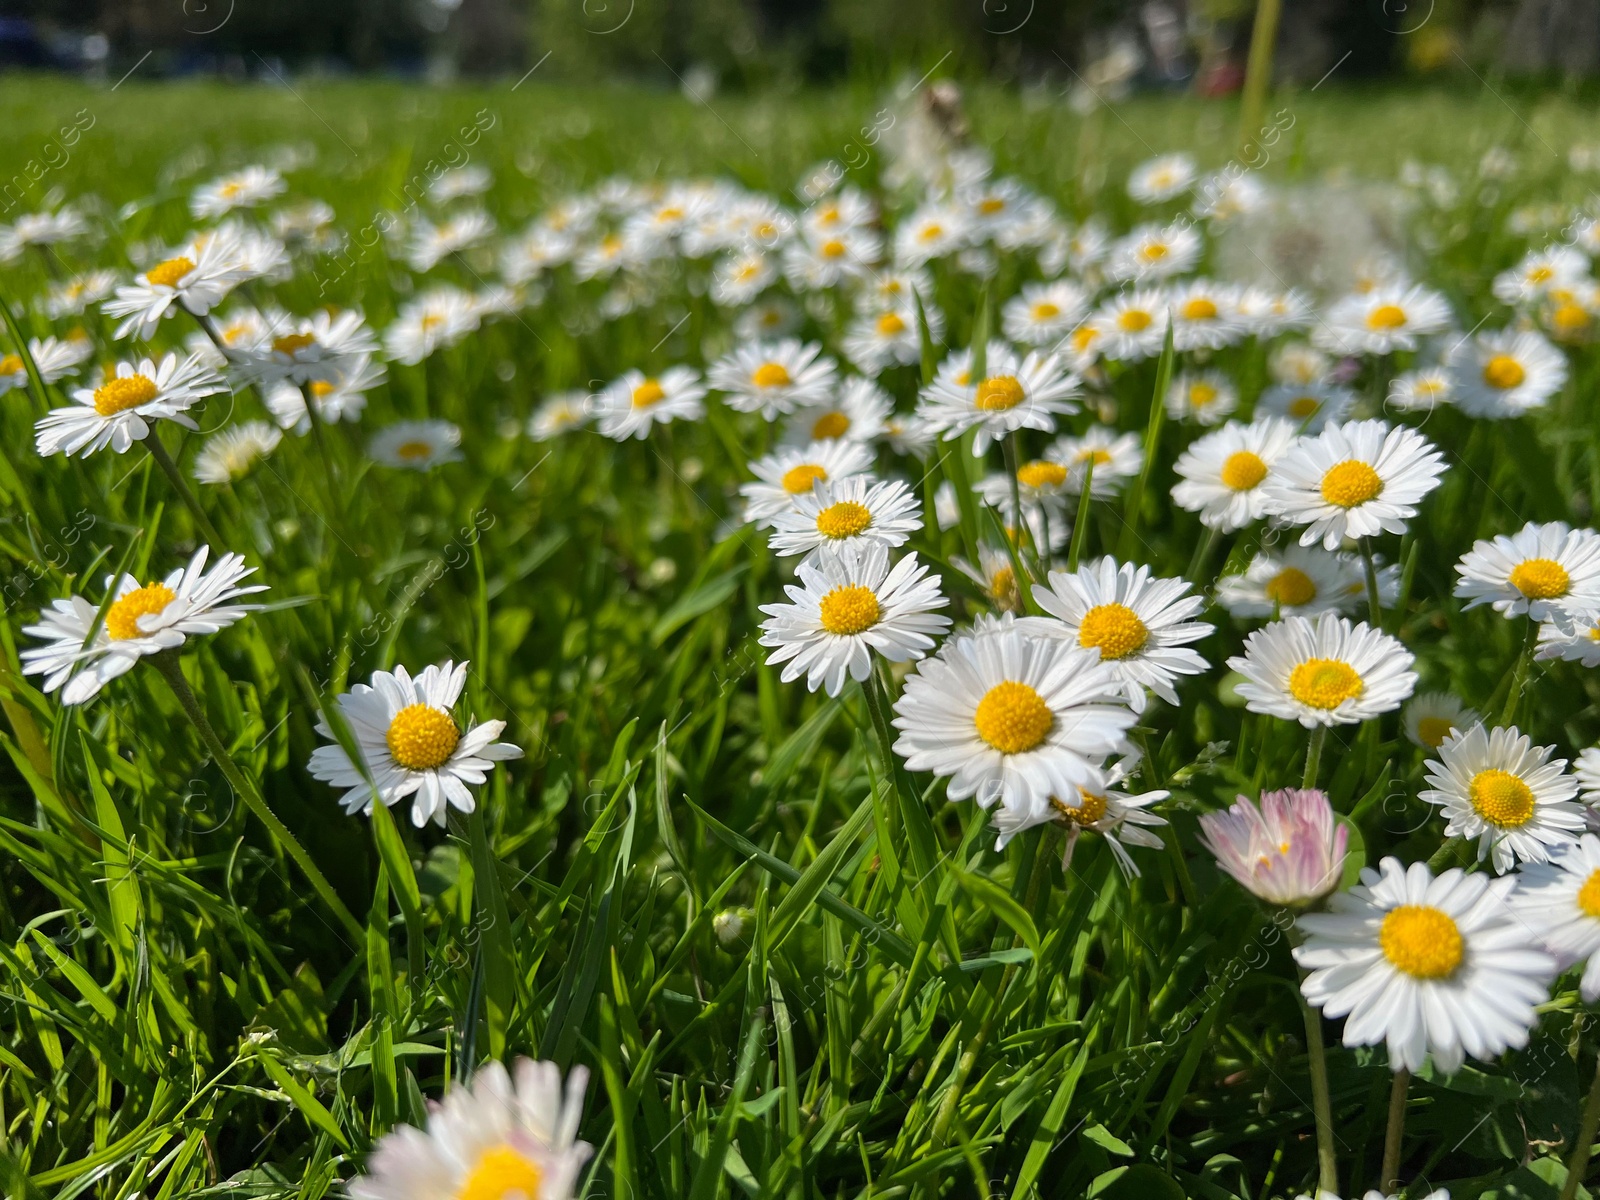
1501	798
1350	483
844	519
1114	629
1134	320
1013	718
122	393
422	737
1589	895
1422	941
1045	311
1386	316
502	1173
830	425
293	343
1570	318
1089	809
231	189
1154	251
833	248
1083	337
1003	588
11	364
648	393
850	609
1198	309
1540	578
1324	683
990	205
430	322
1432	731
931	232
321	388
167	274
1097	456
122	618
413	451
999	393
670	213
891	323
1302	407
1503	372
1540	274
1291	587
770	375
1040	474
1243	470
797	481
1201	394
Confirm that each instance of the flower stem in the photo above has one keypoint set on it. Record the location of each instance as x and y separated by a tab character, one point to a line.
1319	735
1374	606
167	662
170	469
1321	1100
1389	1180
1080	532
1578	1164
1202	552
1519	675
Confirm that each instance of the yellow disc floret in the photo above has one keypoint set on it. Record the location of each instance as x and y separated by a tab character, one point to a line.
122	618
850	609
11	364
1114	629
1350	483
1432	731
293	343
413	451
999	393
1045	311
1291	587
122	393
1501	798
1386	316
830	425
1041	474
422	737
1540	578
797	481
1089	809
844	519
771	375
1503	372
1421	941
1589	895
890	324
1324	683
1201	394
1243	470
502	1173
1134	320
167	274
1013	718
648	394
1198	309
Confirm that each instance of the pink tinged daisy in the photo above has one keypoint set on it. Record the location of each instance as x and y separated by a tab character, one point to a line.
1220	475
123	409
1139	625
847	607
1327	672
1012	719
784	477
1429	966
506	1135
1560	900
1103	807
774	378
636	403
141	619
1016	393
1289	850
1353	480
856	511
410	744
1550	572
1497	787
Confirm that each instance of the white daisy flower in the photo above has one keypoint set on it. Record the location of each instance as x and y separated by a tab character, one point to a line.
1015	393
122	410
1302	581
1550	572
40	229
140	620
1560	900
1140	625
197	281
1326	672
1129	327
1152	252
933	231
1101	807
847	606
307	225
1499	788
785	476
1204	316
1221	197
231	454
1390	317
1438	966
469	179
840	513
1539	272
908	434
559	414
343	398
1312	407
1040	483
410	745
1421	390
1505	374
858	415
1044	313
1117	458
1430	717
737	279
248	188
73	297
416	445
995	575
1353	480
636	403
13	373
55	357
1587	770
815	264
1220	475
503	1136
876	341
773	378
1162	178
1578	643
1298	364
431	244
1205	397
1267	313
1012	719
306	349
435	320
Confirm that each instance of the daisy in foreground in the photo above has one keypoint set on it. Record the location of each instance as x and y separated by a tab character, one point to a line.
1353	480
410	745
1561	900
850	512
1220	475
1100	807
1012	719
1430	966
507	1135
140	620
1325	673
1551	572
122	410
1290	850
847	606
1498	787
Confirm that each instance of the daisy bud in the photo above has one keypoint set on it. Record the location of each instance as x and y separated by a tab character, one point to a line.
729	925
1290	850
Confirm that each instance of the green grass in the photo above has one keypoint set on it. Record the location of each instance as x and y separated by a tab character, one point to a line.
905	1010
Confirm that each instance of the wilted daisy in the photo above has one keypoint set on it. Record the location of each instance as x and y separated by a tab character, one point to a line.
848	605
1302	581
1560	901
1497	787
1220	476
140	620
1327	672
231	454
1551	572
560	413
1152	252
1140	625
198	281
773	378
1388	318
1429	966
1421	390
840	513
123	409
1353	480
1044	313
1310	406
410	744
1205	397
438	318
1505	374
636	403
1117	458
1430	717
1012	719
1015	393
1101	807
1161	178
417	445
1289	850
1570	642
858	415
783	477
248	188
1131	326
